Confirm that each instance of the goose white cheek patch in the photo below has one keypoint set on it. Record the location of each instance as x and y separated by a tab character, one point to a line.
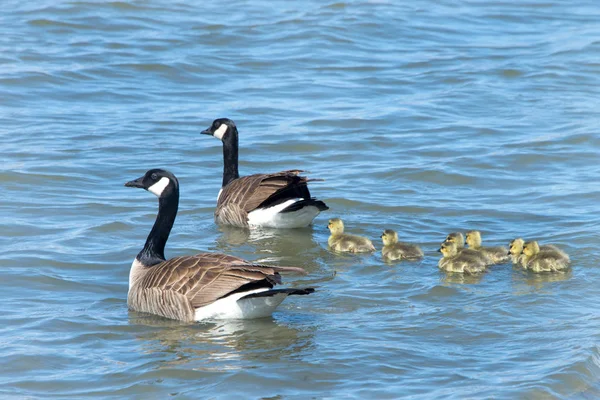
159	186
219	133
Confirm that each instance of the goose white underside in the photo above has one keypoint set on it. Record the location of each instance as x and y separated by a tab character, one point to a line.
233	307
273	218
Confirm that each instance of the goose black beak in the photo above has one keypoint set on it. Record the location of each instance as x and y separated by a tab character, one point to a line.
137	183
439	250
206	132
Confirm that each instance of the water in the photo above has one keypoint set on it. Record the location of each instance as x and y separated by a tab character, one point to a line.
425	118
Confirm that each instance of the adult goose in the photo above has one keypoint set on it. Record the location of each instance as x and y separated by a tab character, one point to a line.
278	200
202	286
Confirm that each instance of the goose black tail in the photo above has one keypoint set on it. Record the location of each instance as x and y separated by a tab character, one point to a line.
304	203
273	292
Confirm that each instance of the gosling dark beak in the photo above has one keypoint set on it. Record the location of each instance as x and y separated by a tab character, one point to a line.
439	250
137	183
509	252
206	132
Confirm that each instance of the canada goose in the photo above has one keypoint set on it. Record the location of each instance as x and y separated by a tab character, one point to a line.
536	260
496	254
459	240
454	261
340	241
202	286
392	250
516	250
278	200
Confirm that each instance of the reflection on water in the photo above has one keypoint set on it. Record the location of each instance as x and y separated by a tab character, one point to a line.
520	276
274	246
282	242
538	280
526	281
425	120
458	278
232	236
220	345
412	263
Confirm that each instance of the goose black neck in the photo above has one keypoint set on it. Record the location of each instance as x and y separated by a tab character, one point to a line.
154	249
230	156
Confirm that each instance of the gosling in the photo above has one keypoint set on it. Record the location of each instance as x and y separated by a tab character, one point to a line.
339	241
459	240
516	251
454	261
535	260
497	255
392	250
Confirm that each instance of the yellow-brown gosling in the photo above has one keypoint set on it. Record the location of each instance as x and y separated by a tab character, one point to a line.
517	245
393	250
497	254
459	240
535	260
454	261
340	241
515	250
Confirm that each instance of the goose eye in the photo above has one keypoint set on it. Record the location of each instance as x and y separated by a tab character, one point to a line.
154	176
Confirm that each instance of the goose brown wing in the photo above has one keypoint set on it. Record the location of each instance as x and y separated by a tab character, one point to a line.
253	191
207	277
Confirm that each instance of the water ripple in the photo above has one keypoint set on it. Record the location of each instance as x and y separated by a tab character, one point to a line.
426	118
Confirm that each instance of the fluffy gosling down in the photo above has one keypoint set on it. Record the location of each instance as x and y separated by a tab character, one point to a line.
517	245
536	260
459	240
515	250
454	261
340	241
394	250
497	254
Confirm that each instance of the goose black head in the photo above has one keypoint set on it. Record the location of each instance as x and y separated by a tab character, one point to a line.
220	128
157	181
